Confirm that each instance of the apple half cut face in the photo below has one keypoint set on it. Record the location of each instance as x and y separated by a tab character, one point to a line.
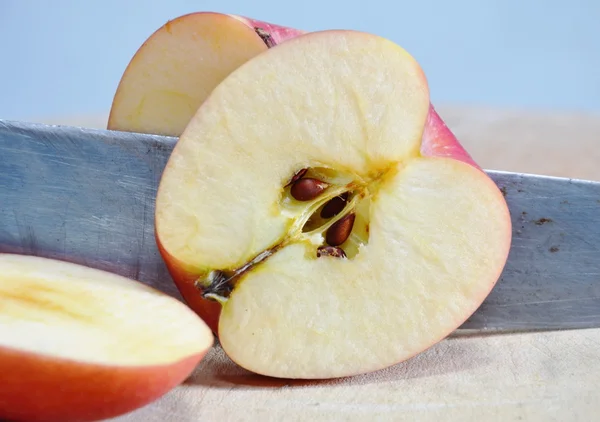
312	200
80	344
178	66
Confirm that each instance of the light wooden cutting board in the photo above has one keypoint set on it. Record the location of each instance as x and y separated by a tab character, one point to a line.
550	376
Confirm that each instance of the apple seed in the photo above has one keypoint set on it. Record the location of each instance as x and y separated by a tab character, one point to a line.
308	189
334	206
330	251
340	230
297	176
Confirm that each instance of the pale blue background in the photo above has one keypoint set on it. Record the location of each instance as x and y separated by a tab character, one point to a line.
66	57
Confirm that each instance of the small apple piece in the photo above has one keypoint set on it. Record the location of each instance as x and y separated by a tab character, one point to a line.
428	237
80	344
178	66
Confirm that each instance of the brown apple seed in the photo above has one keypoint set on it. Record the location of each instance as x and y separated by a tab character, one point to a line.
299	175
307	189
334	206
330	251
340	230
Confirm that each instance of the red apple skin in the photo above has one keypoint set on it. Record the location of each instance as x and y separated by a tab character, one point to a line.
39	388
438	141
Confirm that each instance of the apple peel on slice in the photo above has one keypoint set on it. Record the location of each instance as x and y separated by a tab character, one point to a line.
81	344
178	66
419	241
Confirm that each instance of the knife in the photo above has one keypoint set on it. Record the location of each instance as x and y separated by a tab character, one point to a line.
87	196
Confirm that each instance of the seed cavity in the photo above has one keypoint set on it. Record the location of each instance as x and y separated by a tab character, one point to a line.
307	189
339	231
333	251
327	208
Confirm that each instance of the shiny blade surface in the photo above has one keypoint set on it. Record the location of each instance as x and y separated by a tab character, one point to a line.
87	196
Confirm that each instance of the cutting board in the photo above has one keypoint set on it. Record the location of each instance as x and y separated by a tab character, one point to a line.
541	376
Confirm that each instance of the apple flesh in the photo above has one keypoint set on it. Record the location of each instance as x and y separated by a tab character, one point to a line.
178	66
80	344
430	233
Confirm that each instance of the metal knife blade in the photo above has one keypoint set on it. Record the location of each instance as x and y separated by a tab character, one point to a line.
87	196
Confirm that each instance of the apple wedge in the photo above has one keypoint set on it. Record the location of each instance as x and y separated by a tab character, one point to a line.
178	66
80	344
419	240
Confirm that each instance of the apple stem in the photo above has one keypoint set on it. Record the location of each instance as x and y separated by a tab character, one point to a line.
265	36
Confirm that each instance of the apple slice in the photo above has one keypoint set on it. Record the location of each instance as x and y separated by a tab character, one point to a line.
179	65
80	344
419	241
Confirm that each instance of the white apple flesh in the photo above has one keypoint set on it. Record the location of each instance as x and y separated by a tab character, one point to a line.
178	66
432	230
80	344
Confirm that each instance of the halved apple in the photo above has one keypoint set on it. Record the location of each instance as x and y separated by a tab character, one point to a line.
419	241
80	344
160	96
178	66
